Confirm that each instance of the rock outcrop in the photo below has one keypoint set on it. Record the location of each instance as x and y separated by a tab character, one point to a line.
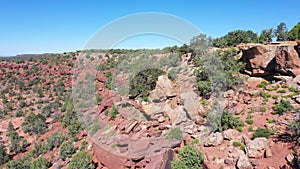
244	163
214	139
258	148
265	60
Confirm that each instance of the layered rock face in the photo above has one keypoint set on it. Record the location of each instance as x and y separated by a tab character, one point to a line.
264	60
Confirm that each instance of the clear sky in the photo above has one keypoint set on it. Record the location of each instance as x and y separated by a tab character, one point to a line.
39	26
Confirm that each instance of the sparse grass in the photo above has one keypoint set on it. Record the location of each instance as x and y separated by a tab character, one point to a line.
281	91
204	102
113	112
265	95
242	147
249	121
292	89
271	121
275	96
236	144
285	86
283	107
262	84
262	132
195	141
240	129
263	109
113	145
175	133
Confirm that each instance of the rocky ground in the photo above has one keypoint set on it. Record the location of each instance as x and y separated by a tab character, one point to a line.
148	132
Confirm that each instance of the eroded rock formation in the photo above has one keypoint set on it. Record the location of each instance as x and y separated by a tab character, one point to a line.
264	60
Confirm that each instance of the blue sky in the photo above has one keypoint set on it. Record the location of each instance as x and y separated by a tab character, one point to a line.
39	26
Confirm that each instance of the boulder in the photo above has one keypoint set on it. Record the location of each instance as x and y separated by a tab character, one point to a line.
161	119
268	153
265	60
177	115
188	127
254	162
230	134
240	109
259	60
297	99
203	133
290	158
228	161
152	109
229	94
164	89
287	61
214	139
162	161
256	148
130	126
192	105
107	158
243	162
138	148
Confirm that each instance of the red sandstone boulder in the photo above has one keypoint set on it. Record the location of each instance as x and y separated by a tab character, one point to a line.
264	60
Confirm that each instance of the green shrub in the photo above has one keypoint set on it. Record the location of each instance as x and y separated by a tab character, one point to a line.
98	98
145	81
275	96
242	147
19	113
249	121
34	124
223	121
262	84
281	91
206	78
46	111
236	144
172	74
22	163
67	150
40	163
204	102
265	95
271	121
54	141
188	158
4	156
250	128
17	144
113	112
285	86
295	127
240	129
195	141
81	160
83	145
236	37
292	89
261	132
146	99
228	121
175	133
283	107
263	109
74	127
